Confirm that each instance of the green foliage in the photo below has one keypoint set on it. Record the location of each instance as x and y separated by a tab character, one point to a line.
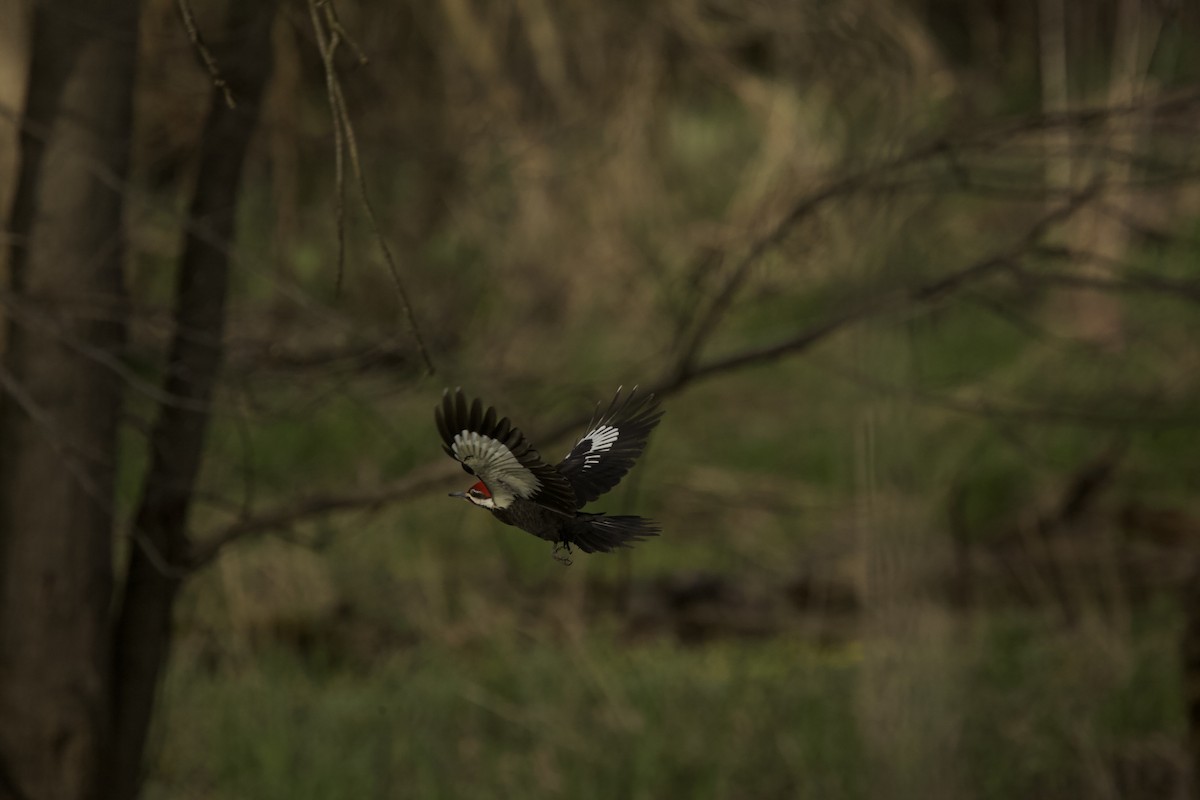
541	720
593	717
1046	703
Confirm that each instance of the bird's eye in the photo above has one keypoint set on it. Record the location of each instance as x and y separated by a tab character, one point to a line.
475	493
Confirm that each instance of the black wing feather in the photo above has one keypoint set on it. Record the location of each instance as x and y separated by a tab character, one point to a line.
454	417
612	444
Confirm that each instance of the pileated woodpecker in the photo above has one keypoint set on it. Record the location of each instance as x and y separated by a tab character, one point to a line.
522	490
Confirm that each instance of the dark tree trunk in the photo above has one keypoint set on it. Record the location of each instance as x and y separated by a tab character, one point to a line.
1190	670
59	404
143	627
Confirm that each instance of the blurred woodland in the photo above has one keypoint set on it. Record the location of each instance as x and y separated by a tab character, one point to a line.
917	279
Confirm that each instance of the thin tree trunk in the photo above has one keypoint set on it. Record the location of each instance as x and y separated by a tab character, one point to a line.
59	405
143	627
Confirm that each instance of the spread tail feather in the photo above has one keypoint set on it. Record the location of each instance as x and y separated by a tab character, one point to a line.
599	533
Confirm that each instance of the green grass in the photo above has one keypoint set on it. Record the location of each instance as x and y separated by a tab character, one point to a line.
587	715
507	719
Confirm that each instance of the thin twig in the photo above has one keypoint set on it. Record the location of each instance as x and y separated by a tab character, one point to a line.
327	46
347	142
393	269
1188	291
1075	412
202	51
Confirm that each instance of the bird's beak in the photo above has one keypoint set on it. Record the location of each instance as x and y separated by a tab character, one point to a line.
463	495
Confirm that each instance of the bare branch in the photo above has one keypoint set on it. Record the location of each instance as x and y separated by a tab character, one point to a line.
1071	411
708	321
326	30
921	294
335	25
1188	291
327	46
869	179
202	51
417	482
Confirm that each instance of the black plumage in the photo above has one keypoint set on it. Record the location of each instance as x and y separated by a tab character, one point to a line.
596	464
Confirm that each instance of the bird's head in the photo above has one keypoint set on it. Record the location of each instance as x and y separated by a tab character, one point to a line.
479	494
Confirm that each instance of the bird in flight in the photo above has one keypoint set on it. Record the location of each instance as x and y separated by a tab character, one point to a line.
522	490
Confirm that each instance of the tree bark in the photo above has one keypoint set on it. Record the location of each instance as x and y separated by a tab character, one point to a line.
59	405
142	633
1190	673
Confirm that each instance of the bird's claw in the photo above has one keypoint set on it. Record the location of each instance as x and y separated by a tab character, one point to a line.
559	555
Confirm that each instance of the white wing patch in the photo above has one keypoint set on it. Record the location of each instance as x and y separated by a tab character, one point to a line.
494	463
603	438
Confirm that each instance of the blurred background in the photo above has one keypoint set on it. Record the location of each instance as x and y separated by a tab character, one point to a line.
918	283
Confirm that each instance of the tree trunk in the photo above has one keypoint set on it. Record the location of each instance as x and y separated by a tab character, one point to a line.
160	550
59	404
1190	673
14	63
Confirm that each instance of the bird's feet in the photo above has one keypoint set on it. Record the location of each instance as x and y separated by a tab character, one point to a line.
562	553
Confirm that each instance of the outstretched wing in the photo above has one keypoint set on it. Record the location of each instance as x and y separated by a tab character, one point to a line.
613	442
499	455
